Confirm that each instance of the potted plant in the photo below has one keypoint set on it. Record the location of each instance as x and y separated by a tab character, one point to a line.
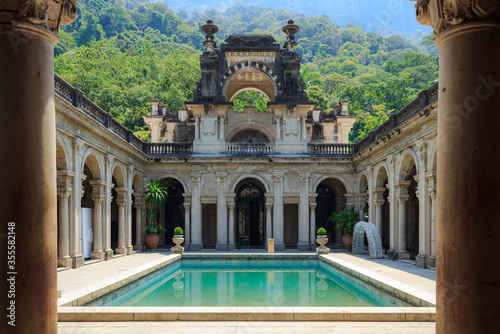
322	239
156	196
345	220
178	239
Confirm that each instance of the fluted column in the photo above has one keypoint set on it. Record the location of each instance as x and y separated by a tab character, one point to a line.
402	198
98	188
196	242
221	213
468	275
278	212
303	244
187	225
28	34
121	201
230	245
63	258
312	219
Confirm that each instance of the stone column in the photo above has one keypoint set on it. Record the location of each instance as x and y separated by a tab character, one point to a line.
63	258
230	246
221	213
28	34
361	211
121	201
128	211
378	215
278	212
75	222
369	193
196	242
138	223
98	188
187	225
402	198
312	222
106	228
303	244
468	278
432	258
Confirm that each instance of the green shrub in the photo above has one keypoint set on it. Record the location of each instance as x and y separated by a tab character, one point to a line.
178	231
321	231
155	228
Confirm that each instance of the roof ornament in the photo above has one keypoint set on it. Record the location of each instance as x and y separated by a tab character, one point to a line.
290	29
210	29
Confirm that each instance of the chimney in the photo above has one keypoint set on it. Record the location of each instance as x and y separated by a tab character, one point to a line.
154	107
345	110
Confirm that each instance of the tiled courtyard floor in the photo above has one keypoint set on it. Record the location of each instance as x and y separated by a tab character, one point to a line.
72	281
245	327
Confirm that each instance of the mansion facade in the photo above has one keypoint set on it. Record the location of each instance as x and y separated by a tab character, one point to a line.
236	179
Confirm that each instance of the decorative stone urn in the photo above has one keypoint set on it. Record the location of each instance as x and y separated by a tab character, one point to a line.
178	240
322	240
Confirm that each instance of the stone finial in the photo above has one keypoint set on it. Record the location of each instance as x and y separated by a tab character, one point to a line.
210	29
290	29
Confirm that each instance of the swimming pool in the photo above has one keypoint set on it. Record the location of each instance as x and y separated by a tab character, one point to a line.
260	282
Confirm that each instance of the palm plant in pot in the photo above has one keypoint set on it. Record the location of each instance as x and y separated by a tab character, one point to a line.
178	239
345	220
156	196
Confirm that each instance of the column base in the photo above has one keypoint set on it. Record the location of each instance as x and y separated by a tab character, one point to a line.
130	250
420	261
196	247
99	255
279	246
230	247
221	247
64	261
137	247
78	261
121	250
312	247
403	255
108	254
430	262
303	246
392	255
187	247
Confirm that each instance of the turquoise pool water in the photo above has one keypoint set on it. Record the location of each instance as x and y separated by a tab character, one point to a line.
223	282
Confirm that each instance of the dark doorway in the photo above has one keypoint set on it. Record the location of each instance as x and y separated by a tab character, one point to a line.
174	211
325	208
250	216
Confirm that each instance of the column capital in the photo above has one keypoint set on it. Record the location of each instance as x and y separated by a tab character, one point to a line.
416	178
196	177
304	177
78	145
64	192
378	202
121	202
313	206
432	192
138	205
230	197
231	206
278	177
269	206
97	197
121	193
187	206
402	199
443	14
221	176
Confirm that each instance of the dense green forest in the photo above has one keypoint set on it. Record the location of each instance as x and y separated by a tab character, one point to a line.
123	53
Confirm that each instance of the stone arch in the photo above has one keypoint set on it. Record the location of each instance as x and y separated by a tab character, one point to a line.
119	174
407	160
380	178
62	153
178	178
250	126
363	182
94	163
172	213
264	183
137	181
374	242
347	186
250	66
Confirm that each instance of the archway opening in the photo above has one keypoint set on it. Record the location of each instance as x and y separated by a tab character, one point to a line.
250	223
173	210
250	98
412	216
330	199
250	79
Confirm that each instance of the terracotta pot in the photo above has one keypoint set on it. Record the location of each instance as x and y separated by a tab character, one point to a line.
152	240
347	241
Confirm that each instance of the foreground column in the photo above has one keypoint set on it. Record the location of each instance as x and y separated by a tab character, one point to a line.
196	243
221	213
28	172
303	244
278	212
468	275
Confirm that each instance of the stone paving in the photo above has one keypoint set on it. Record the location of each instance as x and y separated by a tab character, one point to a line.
200	327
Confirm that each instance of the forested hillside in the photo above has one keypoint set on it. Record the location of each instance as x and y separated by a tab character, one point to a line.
123	53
